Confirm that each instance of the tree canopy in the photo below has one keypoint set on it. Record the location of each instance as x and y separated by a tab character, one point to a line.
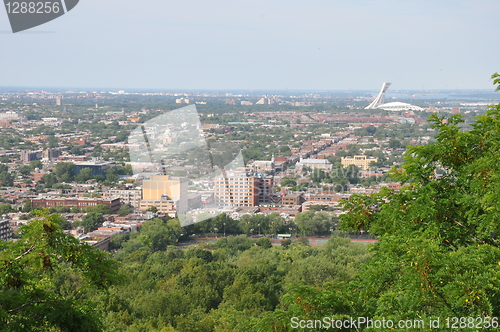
438	253
46	277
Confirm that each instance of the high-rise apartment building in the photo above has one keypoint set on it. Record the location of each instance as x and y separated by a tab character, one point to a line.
236	189
240	189
50	154
27	156
165	188
5	231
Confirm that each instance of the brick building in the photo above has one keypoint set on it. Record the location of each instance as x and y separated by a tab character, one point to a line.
47	202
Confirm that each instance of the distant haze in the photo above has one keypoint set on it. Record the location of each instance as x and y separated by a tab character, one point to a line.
273	44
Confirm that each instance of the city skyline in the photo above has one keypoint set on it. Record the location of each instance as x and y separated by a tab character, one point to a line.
259	45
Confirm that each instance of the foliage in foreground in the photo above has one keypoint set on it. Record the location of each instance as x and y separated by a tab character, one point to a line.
47	279
439	248
226	286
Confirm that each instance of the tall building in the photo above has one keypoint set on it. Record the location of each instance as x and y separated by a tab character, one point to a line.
379	100
50	154
27	156
236	189
265	185
165	188
240	189
5	230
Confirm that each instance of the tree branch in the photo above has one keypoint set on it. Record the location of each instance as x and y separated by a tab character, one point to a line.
25	305
30	249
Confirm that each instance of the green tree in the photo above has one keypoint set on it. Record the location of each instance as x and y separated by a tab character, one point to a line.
111	175
439	249
235	243
26	206
49	180
99	208
157	234
75	209
6	179
317	175
286	243
395	143
53	141
124	210
36	164
153	209
91	221
30	298
5	208
84	175
264	242
25	170
65	171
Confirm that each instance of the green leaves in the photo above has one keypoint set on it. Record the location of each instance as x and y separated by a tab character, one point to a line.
29	300
496	80
438	252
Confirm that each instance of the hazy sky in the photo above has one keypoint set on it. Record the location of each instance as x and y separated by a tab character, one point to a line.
258	44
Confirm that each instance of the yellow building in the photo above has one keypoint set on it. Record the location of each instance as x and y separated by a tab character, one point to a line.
162	187
163	206
362	162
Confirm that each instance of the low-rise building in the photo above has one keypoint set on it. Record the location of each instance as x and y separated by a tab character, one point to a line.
163	206
127	196
80	202
98	167
323	164
362	162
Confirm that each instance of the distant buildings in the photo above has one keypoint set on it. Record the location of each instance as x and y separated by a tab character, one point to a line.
362	162
162	206
47	202
27	156
236	189
182	101
50	154
240	189
262	166
268	101
127	197
293	199
5	230
9	116
98	167
323	164
167	194
399	107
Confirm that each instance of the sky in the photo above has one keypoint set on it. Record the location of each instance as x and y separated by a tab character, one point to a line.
258	44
